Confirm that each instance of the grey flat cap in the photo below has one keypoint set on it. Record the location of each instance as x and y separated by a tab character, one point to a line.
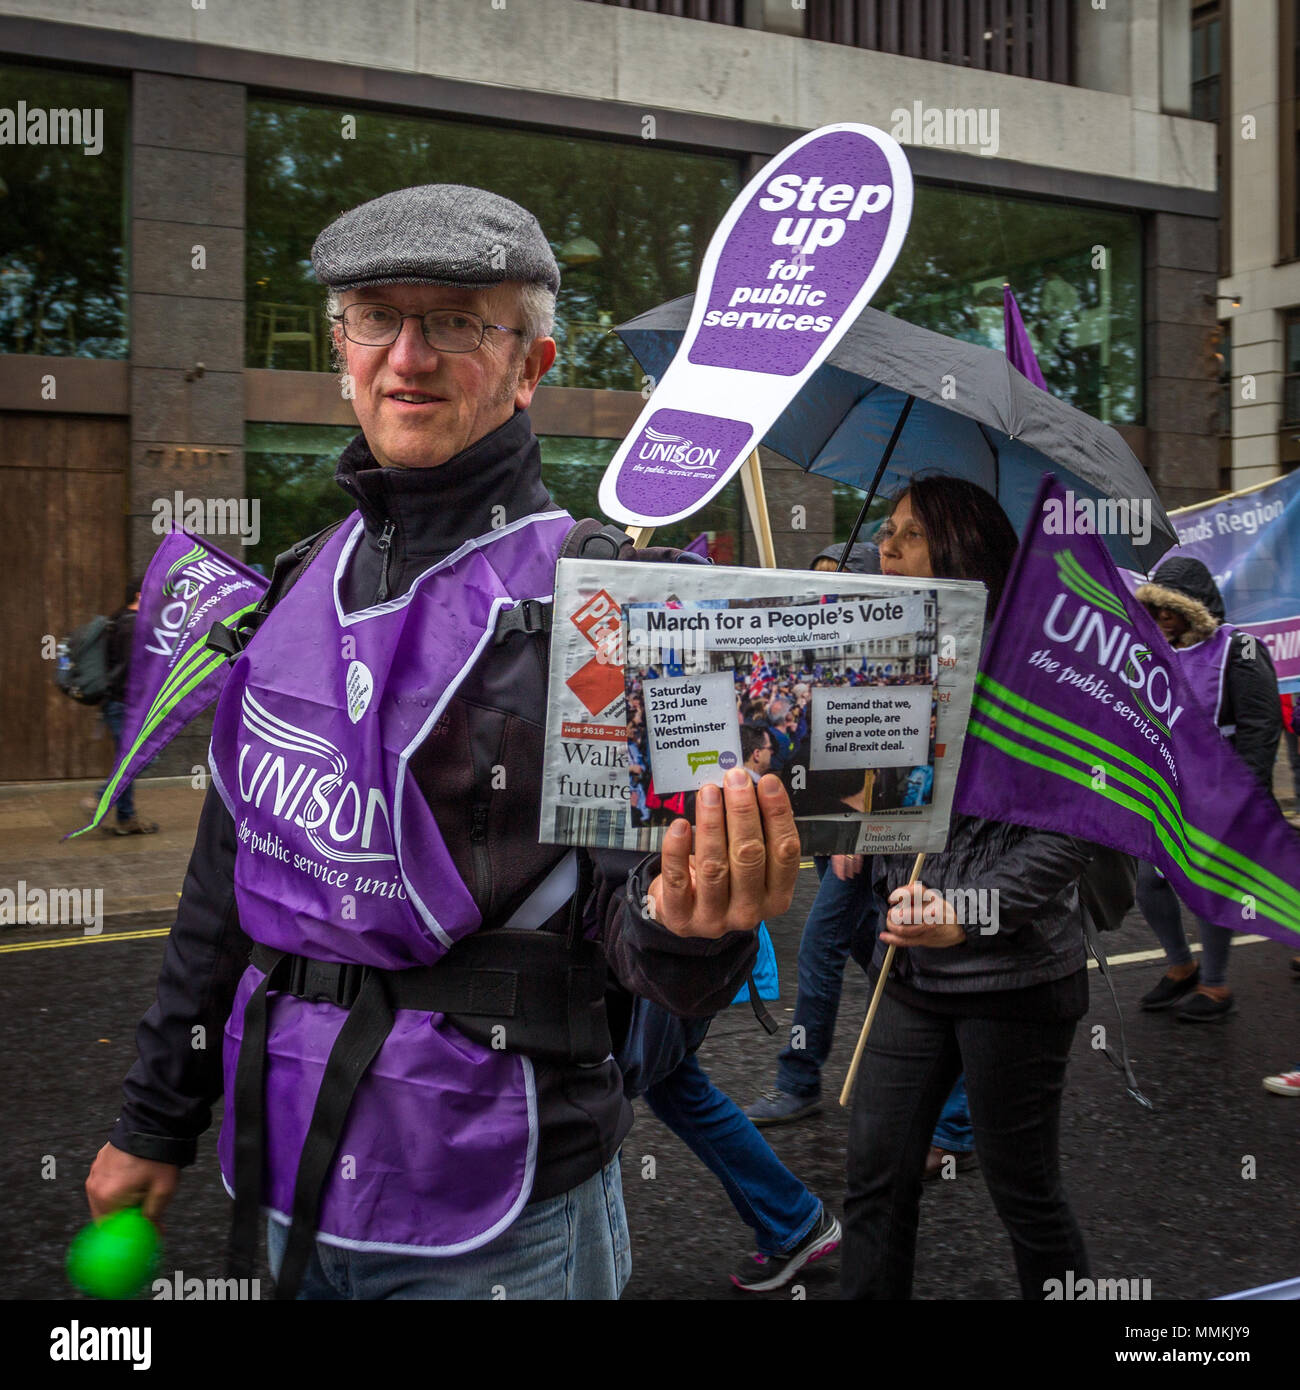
437	234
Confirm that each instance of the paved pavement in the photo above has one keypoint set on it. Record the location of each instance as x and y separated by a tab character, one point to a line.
136	873
1198	1195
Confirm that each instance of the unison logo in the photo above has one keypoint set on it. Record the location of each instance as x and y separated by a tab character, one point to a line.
343	821
658	447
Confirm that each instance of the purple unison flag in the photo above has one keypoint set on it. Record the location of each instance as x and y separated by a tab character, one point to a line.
1084	723
699	546
188	586
1020	351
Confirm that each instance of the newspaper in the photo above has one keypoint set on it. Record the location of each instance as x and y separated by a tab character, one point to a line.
867	680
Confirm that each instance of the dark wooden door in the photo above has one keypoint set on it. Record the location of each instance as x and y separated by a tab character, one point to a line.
62	560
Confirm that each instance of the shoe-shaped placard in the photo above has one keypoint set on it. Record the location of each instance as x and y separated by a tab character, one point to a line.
794	262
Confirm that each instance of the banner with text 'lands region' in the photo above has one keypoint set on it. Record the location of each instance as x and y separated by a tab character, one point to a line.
173	676
1083	723
1250	543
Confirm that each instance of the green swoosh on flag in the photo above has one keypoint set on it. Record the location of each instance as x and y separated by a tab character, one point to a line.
1212	865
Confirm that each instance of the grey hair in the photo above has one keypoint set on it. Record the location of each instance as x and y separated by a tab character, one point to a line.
535	302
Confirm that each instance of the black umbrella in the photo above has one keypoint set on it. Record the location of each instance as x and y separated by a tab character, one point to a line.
892	400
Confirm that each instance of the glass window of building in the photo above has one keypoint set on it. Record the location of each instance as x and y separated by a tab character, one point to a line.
1076	273
1207	61
62	213
290	472
629	224
572	469
1291	380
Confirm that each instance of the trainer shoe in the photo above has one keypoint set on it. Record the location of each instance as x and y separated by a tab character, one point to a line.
1287	1084
781	1108
1205	1008
761	1273
135	826
1169	991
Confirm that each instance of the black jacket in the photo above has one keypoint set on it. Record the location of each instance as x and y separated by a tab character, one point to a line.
121	632
496	717
1038	934
1250	707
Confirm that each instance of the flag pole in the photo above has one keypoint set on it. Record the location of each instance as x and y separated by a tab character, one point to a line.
847	1093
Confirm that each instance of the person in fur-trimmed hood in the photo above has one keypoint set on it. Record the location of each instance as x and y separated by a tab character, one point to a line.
1232	674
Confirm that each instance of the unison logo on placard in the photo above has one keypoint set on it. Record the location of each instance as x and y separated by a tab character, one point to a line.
658	447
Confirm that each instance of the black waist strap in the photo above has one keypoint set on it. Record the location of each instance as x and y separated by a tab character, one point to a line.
531	992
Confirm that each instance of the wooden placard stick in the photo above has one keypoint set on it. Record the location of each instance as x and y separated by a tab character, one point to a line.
847	1093
751	482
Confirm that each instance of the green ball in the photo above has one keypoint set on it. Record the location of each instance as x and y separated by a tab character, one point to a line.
115	1257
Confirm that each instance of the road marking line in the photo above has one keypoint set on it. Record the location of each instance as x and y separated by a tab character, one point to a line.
84	940
1134	956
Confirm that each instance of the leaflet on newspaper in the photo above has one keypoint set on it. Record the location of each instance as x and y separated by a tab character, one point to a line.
854	690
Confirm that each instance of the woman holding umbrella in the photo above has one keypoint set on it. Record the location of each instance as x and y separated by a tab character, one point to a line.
1000	1006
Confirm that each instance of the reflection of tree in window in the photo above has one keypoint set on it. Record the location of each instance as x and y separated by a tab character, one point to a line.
572	469
646	213
1076	273
62	262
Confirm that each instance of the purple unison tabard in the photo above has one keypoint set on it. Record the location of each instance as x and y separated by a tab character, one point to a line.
339	858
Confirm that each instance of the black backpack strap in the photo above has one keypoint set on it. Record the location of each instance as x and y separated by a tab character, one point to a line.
588	539
759	1008
288	566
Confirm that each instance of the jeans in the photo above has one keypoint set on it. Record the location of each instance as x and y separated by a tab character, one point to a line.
574	1246
114	713
1160	906
954	1132
1015	1074
823	949
767	1196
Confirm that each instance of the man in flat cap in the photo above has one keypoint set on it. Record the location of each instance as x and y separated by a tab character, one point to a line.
399	990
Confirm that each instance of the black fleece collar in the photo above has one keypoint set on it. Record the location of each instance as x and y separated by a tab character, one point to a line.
496	480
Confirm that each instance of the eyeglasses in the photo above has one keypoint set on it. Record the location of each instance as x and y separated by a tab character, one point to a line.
446	330
909	535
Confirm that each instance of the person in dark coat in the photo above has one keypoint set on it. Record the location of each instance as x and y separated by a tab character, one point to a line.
121	633
997	1001
1238	672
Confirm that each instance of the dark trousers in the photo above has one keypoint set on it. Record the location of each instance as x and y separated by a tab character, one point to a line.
840	905
1015	1076
114	716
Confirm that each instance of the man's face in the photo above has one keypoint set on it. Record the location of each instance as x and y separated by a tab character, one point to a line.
761	758
418	406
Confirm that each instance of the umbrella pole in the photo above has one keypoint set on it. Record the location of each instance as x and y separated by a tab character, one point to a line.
751	482
847	1093
880	473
